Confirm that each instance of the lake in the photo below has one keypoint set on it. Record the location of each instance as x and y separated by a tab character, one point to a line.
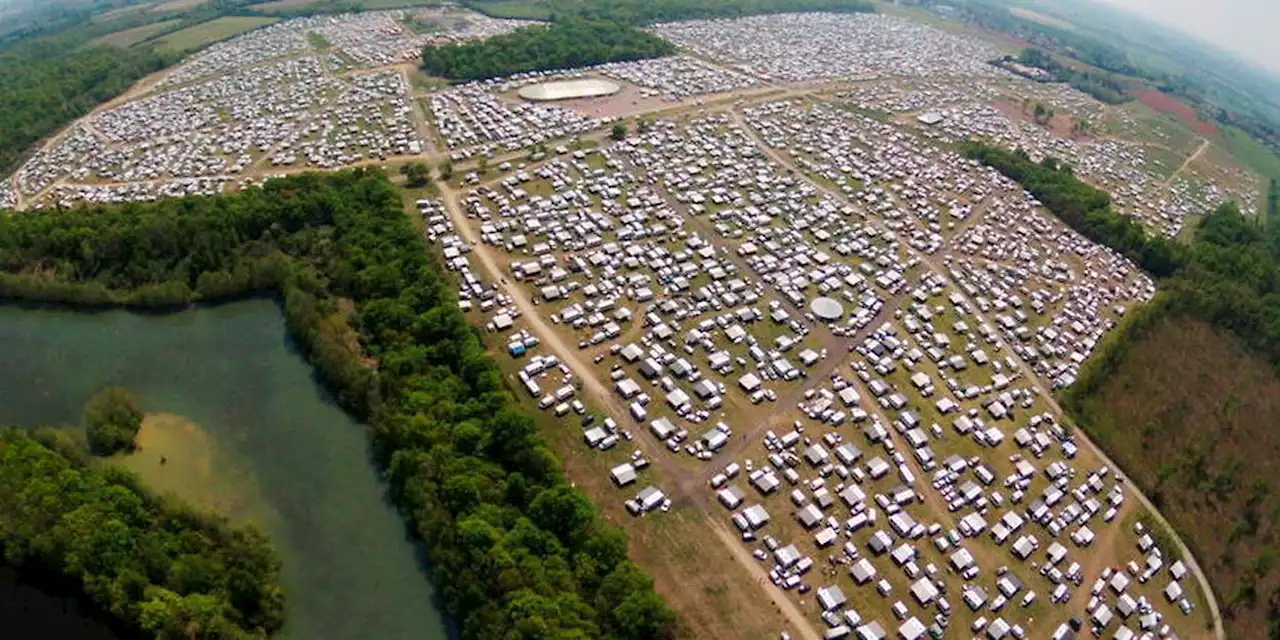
242	427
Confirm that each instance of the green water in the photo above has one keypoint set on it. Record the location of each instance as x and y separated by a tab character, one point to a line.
348	570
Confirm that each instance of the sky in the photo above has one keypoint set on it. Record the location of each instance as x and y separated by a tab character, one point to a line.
1245	27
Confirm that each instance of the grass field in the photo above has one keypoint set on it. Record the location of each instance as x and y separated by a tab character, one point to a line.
129	37
1191	416
515	9
317	41
1251	153
178	5
205	33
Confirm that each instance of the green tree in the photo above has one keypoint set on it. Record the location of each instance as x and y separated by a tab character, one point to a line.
446	171
416	174
112	419
619	131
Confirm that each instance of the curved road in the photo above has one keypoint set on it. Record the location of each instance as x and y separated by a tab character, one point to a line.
1029	374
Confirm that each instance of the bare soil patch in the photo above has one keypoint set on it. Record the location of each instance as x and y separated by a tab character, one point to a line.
1061	124
1165	103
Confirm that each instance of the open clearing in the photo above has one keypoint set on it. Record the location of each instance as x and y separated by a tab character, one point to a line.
177	456
212	31
129	37
1192	416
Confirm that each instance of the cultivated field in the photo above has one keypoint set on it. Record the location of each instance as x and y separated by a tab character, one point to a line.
129	37
178	5
1166	103
215	30
1034	16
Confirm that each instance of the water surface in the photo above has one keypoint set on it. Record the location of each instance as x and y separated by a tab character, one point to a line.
231	381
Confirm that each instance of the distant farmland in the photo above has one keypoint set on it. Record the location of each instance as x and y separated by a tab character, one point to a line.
129	37
212	31
1165	103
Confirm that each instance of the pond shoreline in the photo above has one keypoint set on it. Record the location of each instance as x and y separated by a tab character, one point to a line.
351	570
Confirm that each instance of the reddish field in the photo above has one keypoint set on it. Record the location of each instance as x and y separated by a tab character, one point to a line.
1165	103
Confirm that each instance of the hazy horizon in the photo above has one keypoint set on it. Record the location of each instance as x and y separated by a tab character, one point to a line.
1243	27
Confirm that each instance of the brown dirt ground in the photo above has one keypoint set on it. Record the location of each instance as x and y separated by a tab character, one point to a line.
1061	124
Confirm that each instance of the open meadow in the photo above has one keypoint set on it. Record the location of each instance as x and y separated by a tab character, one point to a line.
215	30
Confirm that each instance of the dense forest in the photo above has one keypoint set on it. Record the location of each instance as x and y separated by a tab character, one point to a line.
1229	275
45	84
516	552
645	12
162	570
563	45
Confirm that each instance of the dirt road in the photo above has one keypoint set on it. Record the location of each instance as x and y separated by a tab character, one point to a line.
1204	146
1038	385
689	483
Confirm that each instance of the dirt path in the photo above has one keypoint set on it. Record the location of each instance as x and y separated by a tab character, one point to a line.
1038	385
776	595
1204	146
1093	564
689	483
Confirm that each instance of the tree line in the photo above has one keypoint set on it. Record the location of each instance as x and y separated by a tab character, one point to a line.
47	83
516	552
562	45
1229	275
1102	86
164	571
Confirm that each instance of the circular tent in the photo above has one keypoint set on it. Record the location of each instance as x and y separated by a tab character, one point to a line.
569	89
826	309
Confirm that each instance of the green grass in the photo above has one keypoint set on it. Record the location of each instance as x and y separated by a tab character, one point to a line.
1251	153
129	37
513	9
317	41
209	32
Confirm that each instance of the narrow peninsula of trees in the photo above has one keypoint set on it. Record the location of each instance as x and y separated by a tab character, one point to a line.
516	551
163	571
563	45
111	421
